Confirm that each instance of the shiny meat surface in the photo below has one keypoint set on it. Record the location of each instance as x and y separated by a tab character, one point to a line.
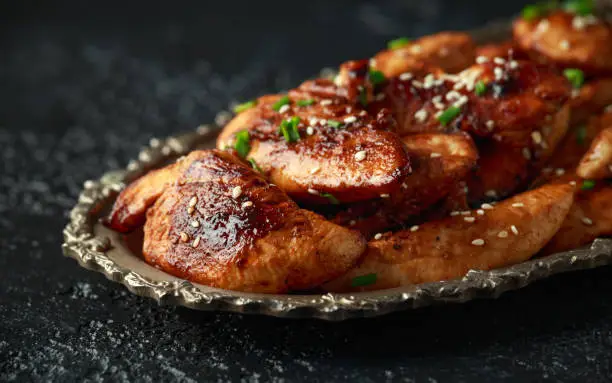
597	161
217	222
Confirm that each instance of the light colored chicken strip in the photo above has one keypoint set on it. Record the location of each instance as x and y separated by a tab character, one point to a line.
440	162
590	217
597	161
508	101
341	153
508	233
449	51
219	223
567	40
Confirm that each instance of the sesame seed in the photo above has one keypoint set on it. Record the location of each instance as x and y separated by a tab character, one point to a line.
608	109
480	212
350	119
414	228
490	124
499	73
518	204
184	236
247	204
378	236
560	171
491	193
195	223
587	221
310	130
526	153
314	170
313	192
421	115
536	137
573	183
360	155
283	109
384	196
236	192
469	219
352	222
499	60
190	210
380	97
193	201
348	109
514	64
486	206
452	95
363	113
543	26
405	76
325	102
466	212
502	234
313	120
461	101
196	242
564	44
575	93
481	59
514	230
478	242
435	155
415	48
454	213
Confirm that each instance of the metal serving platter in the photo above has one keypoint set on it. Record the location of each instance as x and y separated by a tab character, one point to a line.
118	257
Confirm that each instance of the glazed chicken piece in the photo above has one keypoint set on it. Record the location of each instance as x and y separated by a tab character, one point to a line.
505	50
213	220
449	51
597	161
569	40
508	233
319	147
440	162
591	98
511	102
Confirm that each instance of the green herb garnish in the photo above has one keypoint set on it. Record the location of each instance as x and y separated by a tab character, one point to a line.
581	134
587	185
288	128
398	43
480	88
242	145
574	76
449	114
376	77
364	280
306	102
334	123
531	12
331	198
280	103
579	7
254	165
244	106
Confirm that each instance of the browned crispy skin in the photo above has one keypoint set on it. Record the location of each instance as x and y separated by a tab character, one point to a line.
597	161
445	249
201	229
506	49
521	98
556	38
593	97
590	217
440	162
358	159
449	51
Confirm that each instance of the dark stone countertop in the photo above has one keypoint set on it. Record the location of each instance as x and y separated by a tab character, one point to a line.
83	85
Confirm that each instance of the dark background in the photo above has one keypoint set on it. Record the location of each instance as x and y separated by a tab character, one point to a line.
84	84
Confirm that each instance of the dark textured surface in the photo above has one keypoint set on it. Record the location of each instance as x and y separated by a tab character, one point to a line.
82	87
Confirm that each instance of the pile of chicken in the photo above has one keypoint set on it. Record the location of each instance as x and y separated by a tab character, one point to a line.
433	158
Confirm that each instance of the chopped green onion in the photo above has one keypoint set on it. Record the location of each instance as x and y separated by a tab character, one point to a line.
364	280
331	198
581	135
280	103
244	106
575	77
334	123
398	43
254	165
579	7
376	77
480	88
449	114
534	11
306	102
242	145
363	97
587	185
288	128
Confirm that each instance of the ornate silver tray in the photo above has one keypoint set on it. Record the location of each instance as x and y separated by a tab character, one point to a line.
117	257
